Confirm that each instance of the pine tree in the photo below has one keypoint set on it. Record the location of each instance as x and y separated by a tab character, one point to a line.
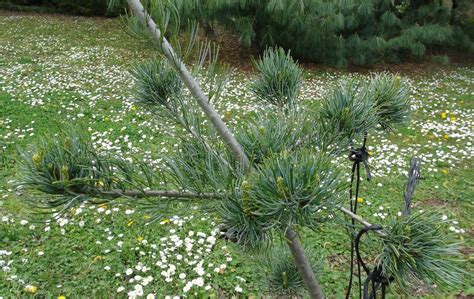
268	180
360	32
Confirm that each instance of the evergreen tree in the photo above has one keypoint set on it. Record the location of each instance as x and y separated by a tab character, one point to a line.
360	32
268	180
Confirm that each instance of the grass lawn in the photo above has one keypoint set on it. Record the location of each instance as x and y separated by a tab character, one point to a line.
58	71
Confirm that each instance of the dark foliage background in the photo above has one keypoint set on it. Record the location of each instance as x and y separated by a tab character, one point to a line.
74	7
360	32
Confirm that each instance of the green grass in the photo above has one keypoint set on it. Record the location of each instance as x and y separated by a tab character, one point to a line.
57	71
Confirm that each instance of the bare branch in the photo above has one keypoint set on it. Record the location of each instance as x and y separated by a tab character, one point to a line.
160	193
360	219
195	195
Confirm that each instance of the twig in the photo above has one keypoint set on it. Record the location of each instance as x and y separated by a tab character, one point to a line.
159	193
360	219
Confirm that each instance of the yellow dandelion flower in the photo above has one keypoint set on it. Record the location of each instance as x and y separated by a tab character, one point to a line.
61	297
165	221
443	115
133	108
445	171
446	136
31	289
360	200
139	239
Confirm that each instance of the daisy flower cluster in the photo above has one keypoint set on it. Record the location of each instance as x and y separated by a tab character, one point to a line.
178	256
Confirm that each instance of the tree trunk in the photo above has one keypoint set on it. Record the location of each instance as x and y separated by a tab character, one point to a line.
303	264
192	85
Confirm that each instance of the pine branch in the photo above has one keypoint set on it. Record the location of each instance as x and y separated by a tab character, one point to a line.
360	219
192	84
195	195
159	193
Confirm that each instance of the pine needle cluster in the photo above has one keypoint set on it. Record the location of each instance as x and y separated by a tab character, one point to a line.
287	189
281	272
417	251
70	169
279	81
355	108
